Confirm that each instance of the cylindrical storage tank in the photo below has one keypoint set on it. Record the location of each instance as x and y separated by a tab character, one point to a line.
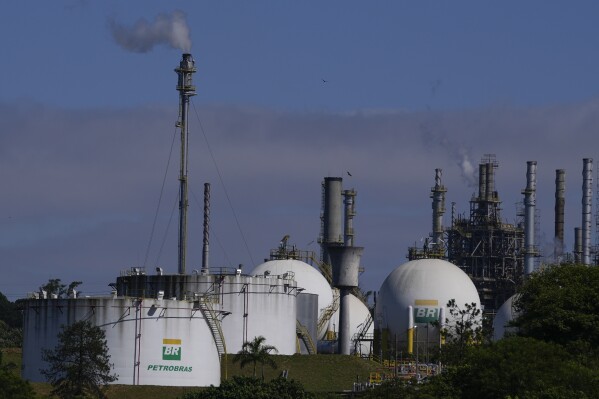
307	318
360	321
170	340
427	285
308	279
259	306
505	314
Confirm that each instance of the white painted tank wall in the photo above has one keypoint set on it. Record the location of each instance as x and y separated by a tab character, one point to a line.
157	320
270	306
505	314
306	276
426	285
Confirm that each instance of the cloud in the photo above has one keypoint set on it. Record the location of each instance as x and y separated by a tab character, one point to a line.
80	187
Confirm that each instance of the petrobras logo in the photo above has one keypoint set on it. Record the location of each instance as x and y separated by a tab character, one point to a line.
171	349
426	310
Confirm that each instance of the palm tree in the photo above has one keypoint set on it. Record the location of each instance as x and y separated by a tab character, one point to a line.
256	352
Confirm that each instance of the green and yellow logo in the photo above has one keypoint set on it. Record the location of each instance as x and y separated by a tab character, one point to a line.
426	310
171	349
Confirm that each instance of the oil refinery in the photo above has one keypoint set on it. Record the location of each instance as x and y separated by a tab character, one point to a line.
176	329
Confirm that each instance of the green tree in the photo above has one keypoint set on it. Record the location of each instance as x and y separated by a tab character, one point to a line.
80	364
9	313
55	287
11	385
525	368
252	388
463	328
255	352
10	337
561	304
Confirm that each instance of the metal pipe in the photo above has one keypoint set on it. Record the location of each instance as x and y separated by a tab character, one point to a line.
350	212
587	199
410	330
206	236
529	216
577	245
438	196
560	206
186	90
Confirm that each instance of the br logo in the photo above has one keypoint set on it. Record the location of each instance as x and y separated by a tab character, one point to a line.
171	349
426	310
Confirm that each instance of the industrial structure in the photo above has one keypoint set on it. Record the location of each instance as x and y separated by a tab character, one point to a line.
490	250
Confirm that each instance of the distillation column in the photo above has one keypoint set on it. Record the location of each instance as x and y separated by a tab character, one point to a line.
560	206
438	196
587	198
350	212
186	90
529	216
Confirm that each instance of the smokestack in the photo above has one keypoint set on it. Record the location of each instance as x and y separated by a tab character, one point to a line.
345	262
587	198
529	216
577	245
332	227
186	90
350	212
560	206
482	181
438	196
205	247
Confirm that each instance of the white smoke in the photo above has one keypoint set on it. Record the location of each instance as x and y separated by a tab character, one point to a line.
466	168
169	29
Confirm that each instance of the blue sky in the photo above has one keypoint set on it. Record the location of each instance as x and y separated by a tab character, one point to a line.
86	126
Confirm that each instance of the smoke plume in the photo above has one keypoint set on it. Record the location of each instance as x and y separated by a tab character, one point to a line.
169	29
466	168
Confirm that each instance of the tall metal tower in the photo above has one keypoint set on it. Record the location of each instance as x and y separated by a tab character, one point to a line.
186	90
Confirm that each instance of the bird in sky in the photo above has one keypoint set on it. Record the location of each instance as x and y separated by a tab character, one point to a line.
349	174
325	81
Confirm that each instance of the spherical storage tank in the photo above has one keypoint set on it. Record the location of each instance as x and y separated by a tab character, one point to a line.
306	277
427	285
505	314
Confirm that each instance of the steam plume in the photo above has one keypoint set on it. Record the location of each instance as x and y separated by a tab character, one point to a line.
170	29
466	168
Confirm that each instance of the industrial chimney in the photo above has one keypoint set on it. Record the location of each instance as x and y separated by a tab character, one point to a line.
331	217
560	206
186	90
529	216
587	198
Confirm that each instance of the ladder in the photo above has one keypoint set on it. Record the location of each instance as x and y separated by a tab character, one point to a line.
329	311
304	335
214	325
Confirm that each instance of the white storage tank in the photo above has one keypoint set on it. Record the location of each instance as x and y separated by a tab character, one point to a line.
425	286
505	314
259	306
178	326
307	277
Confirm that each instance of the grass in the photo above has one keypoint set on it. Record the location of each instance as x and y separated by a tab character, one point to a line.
317	373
